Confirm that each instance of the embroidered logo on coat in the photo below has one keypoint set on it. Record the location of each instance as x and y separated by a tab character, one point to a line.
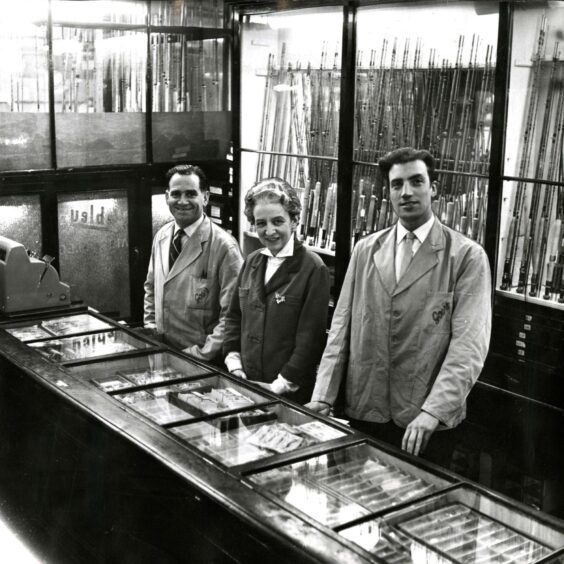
440	313
201	295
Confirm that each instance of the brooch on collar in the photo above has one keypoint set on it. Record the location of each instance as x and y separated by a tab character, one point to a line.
280	298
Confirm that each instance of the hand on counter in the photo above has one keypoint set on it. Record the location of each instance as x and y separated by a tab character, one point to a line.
319	407
418	433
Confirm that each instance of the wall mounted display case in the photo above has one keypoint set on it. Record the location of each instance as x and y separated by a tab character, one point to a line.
531	245
266	478
363	83
479	85
99	96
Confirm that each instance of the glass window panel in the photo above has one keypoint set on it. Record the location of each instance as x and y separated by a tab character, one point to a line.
256	434
315	181
29	332
533	147
425	78
187	13
99	11
348	483
20	220
191	135
57	327
159	208
88	346
170	404
138	371
464	525
531	252
24	96
190	120
290	83
100	90
94	249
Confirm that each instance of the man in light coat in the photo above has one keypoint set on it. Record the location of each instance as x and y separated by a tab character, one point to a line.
412	324
192	272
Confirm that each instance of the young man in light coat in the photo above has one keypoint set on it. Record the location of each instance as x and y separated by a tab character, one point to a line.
193	270
412	325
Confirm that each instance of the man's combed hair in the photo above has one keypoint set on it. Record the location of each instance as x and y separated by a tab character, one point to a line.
187	170
273	190
406	155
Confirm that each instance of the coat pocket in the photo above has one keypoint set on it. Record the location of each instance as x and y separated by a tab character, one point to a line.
200	293
437	313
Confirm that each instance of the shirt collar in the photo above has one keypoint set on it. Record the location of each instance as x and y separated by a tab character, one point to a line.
191	229
421	232
286	251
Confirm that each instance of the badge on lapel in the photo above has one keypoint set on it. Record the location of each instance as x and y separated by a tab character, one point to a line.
280	298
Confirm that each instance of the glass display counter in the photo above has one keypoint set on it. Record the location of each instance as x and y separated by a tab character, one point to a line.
462	525
327	493
88	346
188	400
57	327
142	370
256	434
349	483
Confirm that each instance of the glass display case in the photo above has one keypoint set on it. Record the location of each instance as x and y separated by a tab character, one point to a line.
92	345
316	482
291	74
349	483
531	244
188	400
24	94
462	525
425	79
256	434
112	375
57	327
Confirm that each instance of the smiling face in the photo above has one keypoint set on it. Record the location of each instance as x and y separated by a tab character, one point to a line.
185	199
411	192
274	226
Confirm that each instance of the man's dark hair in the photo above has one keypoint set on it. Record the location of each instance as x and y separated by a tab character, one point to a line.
406	155
187	170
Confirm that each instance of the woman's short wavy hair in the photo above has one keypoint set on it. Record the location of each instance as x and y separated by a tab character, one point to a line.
276	191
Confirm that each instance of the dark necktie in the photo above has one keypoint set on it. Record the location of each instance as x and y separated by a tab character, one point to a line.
175	248
406	253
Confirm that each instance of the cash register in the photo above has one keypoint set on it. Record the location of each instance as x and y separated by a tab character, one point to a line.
28	283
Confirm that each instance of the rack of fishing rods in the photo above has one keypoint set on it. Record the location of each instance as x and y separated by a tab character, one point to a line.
533	264
442	106
105	71
300	116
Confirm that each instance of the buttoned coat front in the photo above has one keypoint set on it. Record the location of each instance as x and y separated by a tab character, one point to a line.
419	344
280	327
188	305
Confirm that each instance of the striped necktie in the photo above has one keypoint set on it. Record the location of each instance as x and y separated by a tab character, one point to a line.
175	248
406	248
